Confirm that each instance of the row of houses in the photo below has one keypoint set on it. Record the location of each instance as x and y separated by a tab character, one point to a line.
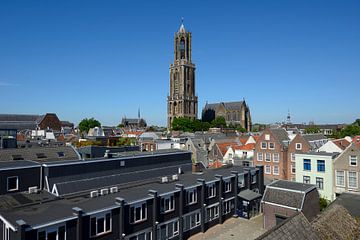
135	195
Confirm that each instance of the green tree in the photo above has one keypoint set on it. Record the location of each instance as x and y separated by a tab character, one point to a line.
323	203
312	129
182	124
241	129
350	130
88	123
219	122
357	122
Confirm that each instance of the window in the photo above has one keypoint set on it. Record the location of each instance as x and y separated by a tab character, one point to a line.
353	161
276	170
267	169
353	181
230	155
12	183
61	154
167	204
100	225
321	165
168	230
241	182
293	169
211	190
192	220
306	179
212	213
260	157
122	163
253	178
307	165
293	157
228	206
52	233
263	145
191	196
298	146
267	137
145	235
138	213
276	157
271	145
340	178
320	183
267	157
40	155
228	186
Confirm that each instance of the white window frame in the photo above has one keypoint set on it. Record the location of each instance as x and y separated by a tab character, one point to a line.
278	171
193	215
298	144
227	186
316	183
17	184
308	178
267	154
278	157
142	232
267	169
211	190
273	147
228	206
293	167
51	229
191	196
292	156
258	157
99	216
241	183
357	180
351	159
336	178
267	137
174	233
167	203
215	212
142	218
265	144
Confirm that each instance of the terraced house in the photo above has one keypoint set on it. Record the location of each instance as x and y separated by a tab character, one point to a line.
136	196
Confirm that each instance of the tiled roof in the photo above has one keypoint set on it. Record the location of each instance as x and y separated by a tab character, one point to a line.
280	134
314	137
223	147
350	201
216	164
228	105
356	140
336	223
250	146
341	143
284	198
296	227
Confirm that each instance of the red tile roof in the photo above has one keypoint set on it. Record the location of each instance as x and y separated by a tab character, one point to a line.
250	146
223	147
356	140
341	143
216	164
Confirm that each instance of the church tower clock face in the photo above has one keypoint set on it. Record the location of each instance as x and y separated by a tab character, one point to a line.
182	101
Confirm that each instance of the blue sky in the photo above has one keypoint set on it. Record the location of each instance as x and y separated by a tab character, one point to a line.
105	59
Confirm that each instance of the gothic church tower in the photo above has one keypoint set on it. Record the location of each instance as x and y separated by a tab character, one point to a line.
182	101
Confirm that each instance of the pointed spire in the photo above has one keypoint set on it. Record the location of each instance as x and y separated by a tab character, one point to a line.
139	113
182	28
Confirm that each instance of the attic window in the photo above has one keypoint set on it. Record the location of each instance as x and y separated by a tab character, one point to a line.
40	155
61	154
17	157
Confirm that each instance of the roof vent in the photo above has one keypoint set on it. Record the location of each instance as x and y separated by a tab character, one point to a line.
164	179
114	189
32	190
94	194
104	191
175	177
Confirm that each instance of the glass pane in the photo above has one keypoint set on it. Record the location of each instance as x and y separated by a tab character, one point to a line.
61	233
100	225
137	214
93	226
108	222
51	235
42	235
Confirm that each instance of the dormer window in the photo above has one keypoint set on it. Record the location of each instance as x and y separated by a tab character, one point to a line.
298	146
167	204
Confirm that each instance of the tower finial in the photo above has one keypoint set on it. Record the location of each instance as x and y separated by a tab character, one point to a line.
182	28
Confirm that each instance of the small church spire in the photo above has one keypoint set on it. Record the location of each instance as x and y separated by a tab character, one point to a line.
182	28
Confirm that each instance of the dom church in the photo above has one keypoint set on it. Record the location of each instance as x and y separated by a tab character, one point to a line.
182	101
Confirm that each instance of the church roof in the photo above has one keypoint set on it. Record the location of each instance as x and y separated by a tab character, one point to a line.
228	105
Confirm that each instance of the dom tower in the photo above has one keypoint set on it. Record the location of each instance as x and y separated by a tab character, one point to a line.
182	101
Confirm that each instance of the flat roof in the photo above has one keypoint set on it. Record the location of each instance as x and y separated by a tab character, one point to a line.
41	212
5	165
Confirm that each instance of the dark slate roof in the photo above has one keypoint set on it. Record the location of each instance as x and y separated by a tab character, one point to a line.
292	185
228	105
287	193
314	137
336	223
17	164
249	195
350	201
53	209
296	227
19	121
47	153
281	135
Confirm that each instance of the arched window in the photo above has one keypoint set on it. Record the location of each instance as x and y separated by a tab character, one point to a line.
182	48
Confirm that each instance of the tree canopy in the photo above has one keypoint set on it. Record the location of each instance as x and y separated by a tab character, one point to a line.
189	125
219	122
312	129
88	123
